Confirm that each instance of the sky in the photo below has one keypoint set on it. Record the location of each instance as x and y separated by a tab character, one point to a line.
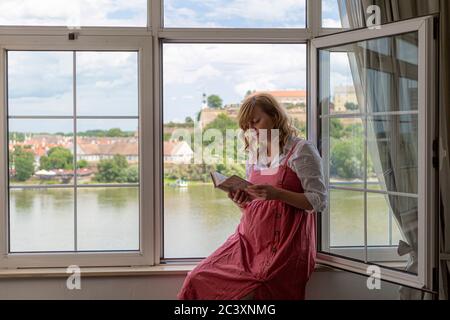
41	83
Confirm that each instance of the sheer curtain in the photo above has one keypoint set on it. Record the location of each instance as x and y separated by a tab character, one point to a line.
385	78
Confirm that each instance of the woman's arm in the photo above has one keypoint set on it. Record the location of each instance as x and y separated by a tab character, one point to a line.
268	192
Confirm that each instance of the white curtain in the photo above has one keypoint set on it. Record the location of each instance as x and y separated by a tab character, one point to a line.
381	80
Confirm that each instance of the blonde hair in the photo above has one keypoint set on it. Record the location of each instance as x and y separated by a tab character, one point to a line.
272	108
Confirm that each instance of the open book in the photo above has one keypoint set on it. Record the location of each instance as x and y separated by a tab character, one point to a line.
227	184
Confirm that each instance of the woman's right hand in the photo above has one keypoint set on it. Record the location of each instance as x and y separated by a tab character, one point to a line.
239	197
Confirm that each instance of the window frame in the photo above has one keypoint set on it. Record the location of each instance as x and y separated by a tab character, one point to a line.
84	258
427	175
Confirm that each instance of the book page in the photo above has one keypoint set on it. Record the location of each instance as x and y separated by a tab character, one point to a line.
234	183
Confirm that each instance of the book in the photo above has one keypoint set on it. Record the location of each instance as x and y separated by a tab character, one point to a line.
227	184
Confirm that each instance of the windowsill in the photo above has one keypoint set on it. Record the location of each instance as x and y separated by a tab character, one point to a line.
165	270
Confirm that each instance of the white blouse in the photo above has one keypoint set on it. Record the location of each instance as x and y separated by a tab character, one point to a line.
307	164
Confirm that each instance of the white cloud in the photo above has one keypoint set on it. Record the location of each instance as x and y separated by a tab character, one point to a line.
66	12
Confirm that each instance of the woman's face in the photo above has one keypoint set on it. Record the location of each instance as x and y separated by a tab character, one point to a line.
260	120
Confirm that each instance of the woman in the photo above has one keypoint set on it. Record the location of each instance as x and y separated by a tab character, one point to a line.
271	255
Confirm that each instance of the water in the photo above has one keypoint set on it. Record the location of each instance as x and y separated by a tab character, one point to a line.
197	219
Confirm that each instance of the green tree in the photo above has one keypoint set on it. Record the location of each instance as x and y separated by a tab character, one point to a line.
82	164
23	162
112	170
57	158
188	120
214	101
132	174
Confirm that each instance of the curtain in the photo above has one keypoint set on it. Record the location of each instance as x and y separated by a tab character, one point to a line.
385	79
444	149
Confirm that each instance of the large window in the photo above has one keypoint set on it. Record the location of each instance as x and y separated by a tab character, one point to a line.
69	148
99	151
204	85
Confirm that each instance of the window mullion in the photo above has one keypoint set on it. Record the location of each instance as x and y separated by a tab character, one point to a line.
74	138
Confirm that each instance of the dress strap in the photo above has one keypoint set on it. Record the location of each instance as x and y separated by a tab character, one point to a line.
290	153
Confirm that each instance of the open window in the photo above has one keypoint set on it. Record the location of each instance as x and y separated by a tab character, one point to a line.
373	119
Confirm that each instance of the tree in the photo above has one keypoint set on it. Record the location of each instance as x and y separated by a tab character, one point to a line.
249	92
23	163
214	101
57	158
82	164
112	170
188	120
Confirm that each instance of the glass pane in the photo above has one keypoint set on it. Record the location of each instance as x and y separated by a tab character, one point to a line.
346	218
392	149
234	14
346	152
339	94
41	219
40	154
387	216
332	10
40	83
204	85
74	13
107	83
107	151
108	218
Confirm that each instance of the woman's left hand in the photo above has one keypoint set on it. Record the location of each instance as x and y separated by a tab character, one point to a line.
263	191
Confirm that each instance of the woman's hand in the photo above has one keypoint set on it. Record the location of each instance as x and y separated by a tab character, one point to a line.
263	192
239	197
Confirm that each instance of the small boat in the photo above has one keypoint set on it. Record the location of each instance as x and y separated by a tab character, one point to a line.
181	183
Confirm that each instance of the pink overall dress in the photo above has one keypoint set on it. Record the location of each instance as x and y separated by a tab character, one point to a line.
272	252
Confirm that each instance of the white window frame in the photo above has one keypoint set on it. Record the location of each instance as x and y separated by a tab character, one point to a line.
427	176
88	42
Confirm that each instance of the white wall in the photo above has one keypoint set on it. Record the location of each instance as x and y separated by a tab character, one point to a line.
323	285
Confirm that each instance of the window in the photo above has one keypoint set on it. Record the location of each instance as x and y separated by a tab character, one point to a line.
71	106
74	13
204	85
374	120
234	14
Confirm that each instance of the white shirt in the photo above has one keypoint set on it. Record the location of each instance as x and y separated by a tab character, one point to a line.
306	162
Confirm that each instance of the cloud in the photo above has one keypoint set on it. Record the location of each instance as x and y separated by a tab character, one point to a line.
73	12
235	13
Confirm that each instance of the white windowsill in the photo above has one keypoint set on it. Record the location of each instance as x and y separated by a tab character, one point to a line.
165	270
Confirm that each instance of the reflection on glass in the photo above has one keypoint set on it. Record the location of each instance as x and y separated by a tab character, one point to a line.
41	220
74	13
40	83
234	14
107	151
204	86
40	155
393	149
108	218
107	83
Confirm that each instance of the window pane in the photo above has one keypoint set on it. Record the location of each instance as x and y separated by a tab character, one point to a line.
108	151
108	218
393	151
74	13
204	85
346	218
41	219
40	155
40	83
107	83
332	11
234	14
387	216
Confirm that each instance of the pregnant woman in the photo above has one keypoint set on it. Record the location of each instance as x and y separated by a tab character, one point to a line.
271	255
